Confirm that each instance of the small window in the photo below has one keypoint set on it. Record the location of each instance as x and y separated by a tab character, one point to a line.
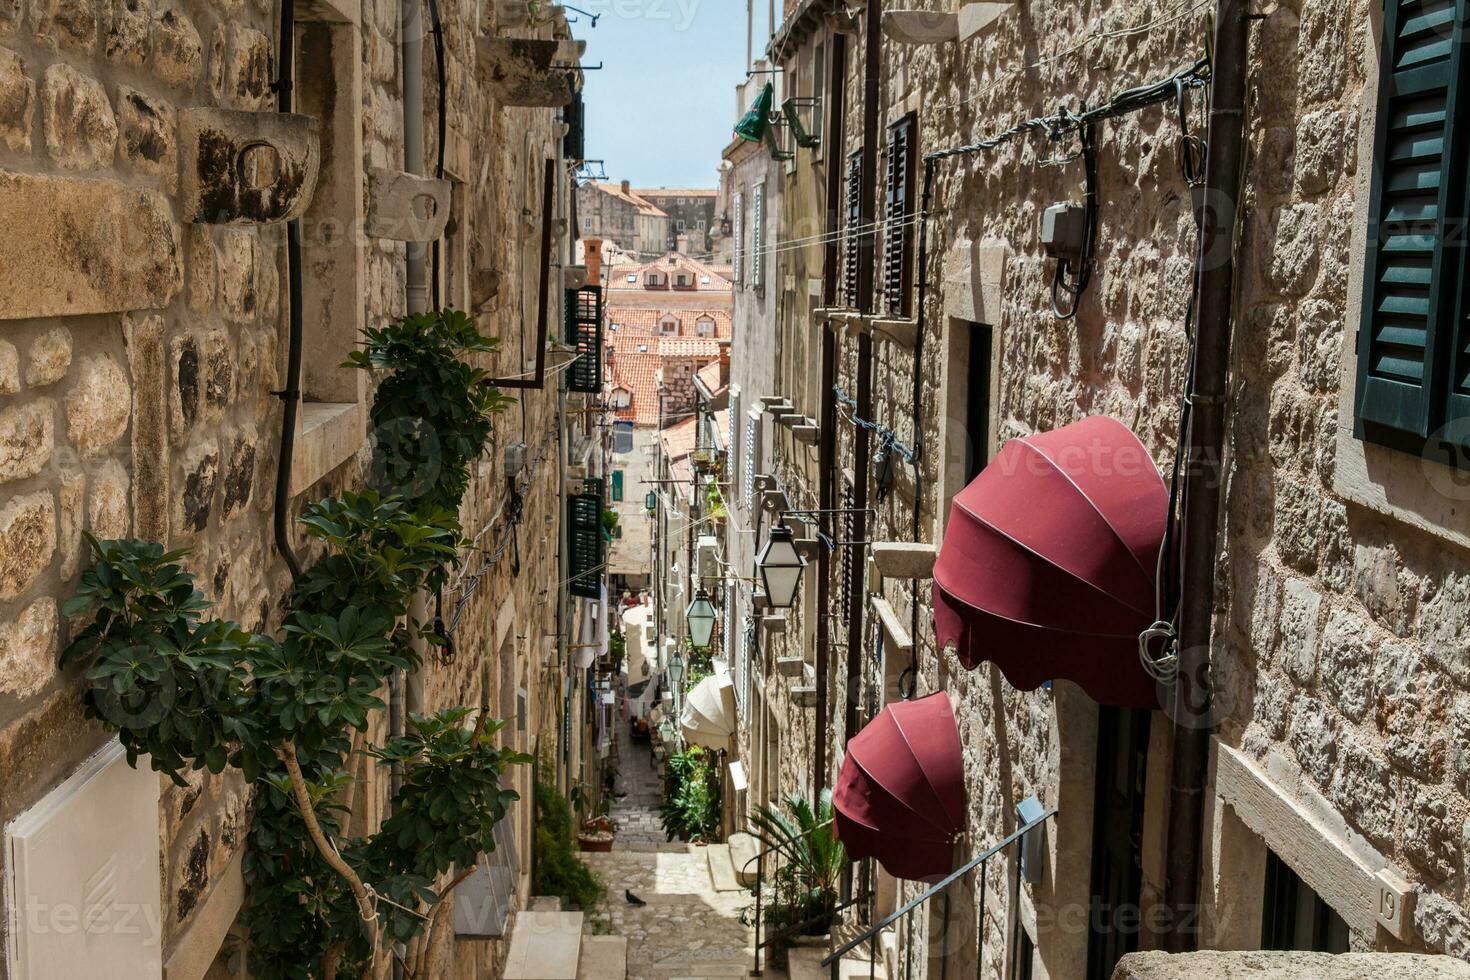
643	348
668	326
621	398
632	277
758	236
1413	379
1295	917
704	280
704	327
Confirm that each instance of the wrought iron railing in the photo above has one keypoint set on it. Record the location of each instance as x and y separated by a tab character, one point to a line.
870	936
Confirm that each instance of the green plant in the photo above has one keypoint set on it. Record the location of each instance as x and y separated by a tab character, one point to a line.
557	870
432	411
691	801
292	712
808	861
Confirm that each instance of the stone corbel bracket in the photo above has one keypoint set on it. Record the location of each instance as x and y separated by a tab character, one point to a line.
976	18
895	637
904	333
921	26
405	207
520	71
904	559
247	167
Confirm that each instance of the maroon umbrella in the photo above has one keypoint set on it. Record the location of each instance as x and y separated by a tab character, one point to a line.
900	797
1050	558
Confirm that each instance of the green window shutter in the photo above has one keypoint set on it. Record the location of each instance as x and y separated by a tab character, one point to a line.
1416	223
584	332
617	485
584	538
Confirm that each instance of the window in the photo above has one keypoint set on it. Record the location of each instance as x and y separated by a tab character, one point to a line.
633	277
1117	835
654	280
704	327
1295	917
621	398
977	401
704	280
738	270
617	486
758	236
682	281
851	271
669	326
898	186
1413	341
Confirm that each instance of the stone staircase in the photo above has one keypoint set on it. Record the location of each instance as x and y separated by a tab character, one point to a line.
548	944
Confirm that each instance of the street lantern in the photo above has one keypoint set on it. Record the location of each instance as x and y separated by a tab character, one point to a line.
701	617
676	669
781	566
667	731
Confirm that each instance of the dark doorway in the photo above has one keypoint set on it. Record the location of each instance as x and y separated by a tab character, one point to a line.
1115	917
1295	916
977	400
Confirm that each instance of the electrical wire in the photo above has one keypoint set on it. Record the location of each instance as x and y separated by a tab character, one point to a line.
1066	279
885	435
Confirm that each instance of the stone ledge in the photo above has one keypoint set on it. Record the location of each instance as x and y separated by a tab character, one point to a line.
1283	965
904	559
896	637
329	434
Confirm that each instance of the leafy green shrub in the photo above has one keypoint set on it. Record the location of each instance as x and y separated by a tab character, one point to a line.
691	801
557	870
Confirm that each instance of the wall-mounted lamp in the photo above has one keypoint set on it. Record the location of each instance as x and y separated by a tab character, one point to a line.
781	566
701	618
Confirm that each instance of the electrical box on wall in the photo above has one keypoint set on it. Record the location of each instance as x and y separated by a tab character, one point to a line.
82	880
1064	230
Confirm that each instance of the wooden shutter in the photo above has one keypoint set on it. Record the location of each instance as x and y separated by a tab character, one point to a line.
898	184
584	538
750	453
758	235
739	270
584	333
850	250
1416	225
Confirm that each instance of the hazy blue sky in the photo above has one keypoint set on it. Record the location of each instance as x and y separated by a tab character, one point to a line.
662	107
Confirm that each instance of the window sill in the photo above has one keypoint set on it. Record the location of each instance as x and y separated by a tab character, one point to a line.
330	433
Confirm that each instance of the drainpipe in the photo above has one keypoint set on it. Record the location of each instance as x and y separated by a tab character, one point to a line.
291	395
1204	473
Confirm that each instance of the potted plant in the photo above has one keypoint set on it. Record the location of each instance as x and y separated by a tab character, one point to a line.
808	860
598	829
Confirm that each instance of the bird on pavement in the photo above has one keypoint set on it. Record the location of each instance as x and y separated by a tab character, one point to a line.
633	899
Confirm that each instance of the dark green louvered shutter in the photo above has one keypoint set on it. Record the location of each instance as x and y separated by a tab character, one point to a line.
584	523
584	332
851	270
897	232
1416	227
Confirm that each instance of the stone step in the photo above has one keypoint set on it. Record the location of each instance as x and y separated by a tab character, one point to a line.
544	946
805	963
743	851
545	903
722	869
704	969
604	958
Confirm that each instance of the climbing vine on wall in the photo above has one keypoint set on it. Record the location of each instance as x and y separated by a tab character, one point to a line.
294	712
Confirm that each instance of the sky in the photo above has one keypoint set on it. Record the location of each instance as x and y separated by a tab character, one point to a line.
662	107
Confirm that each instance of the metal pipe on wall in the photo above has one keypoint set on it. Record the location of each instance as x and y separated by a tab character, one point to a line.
1204	472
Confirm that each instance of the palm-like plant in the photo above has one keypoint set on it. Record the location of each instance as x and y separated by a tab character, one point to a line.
808	856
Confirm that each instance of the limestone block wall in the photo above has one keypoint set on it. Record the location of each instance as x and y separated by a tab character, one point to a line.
139	352
1341	620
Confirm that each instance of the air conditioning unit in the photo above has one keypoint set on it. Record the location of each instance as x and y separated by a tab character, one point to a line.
706	557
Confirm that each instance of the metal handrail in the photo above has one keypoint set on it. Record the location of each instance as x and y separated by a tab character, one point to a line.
963	869
760	880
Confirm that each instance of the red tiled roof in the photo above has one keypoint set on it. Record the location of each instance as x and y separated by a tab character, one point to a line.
666	264
709	376
680	439
638	373
643	322
688	347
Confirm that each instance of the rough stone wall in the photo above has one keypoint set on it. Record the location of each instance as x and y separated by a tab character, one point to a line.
1340	627
136	376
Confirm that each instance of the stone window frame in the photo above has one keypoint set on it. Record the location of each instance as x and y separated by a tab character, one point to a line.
332	427
665	322
704	327
1413	489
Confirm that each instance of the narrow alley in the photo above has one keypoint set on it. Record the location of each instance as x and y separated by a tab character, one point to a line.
687	929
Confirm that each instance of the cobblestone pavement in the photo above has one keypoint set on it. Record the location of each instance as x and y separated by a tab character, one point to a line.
687	930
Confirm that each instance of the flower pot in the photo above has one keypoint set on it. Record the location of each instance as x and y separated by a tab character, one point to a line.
597	842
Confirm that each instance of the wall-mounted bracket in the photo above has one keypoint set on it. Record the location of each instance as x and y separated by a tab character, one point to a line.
921	26
522	72
405	207
247	167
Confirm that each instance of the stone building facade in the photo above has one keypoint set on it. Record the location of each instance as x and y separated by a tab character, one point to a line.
1339	629
619	216
142	352
691	212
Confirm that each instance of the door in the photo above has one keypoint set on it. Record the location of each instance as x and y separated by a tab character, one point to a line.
1117	867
